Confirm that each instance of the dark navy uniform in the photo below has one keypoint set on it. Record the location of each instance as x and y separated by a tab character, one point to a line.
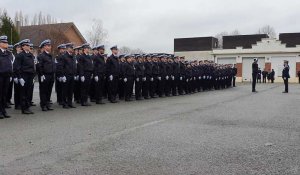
85	66
113	72
254	74
129	74
25	72
99	77
147	91
286	76
47	68
6	70
139	79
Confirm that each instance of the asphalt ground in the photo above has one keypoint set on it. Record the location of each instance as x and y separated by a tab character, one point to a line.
227	132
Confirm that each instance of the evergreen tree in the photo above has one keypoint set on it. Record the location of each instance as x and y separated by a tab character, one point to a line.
8	28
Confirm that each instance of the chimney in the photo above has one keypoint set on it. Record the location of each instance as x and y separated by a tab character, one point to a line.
18	27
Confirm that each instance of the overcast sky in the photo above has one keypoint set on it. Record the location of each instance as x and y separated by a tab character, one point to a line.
152	25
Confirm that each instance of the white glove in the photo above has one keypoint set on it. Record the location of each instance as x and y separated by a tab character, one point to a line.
22	82
284	78
64	79
33	81
137	79
125	80
199	78
16	80
159	78
173	78
43	78
180	78
151	79
82	78
194	78
75	78
204	77
92	76
59	79
111	78
167	77
96	78
10	79
144	79
187	80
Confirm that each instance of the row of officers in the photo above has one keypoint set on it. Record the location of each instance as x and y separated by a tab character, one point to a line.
82	73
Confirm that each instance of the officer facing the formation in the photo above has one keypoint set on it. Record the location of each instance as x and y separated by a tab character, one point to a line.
69	72
286	76
47	69
86	68
99	73
254	74
6	70
113	72
25	72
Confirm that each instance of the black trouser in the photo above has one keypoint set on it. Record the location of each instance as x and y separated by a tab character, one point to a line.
233	81
138	87
168	84
4	85
31	91
128	88
181	84
46	89
254	76
77	90
25	91
68	89
59	90
286	84
161	86
113	88
92	90
9	92
264	79
174	85
17	97
121	86
146	87
85	87
154	87
99	88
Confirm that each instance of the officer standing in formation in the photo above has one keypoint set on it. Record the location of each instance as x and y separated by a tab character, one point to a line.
286	76
6	71
93	77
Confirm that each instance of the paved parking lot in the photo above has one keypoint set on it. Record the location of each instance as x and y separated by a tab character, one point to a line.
219	132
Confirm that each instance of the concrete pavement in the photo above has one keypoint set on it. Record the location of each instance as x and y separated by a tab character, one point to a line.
224	132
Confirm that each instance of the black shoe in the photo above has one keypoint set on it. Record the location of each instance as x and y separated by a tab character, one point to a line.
65	107
49	109
85	104
27	112
93	100
6	116
99	102
128	100
1	116
146	98
18	108
44	109
10	103
7	106
71	106
285	92
114	101
32	104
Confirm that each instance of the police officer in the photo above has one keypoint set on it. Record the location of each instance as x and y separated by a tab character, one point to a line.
113	72
254	74
139	77
147	91
121	83
25	72
86	68
99	73
69	75
234	73
17	98
129	74
286	76
60	79
47	68
6	70
10	88
77	83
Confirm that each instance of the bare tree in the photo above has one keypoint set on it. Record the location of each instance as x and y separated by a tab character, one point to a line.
97	34
235	32
127	50
267	29
219	36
